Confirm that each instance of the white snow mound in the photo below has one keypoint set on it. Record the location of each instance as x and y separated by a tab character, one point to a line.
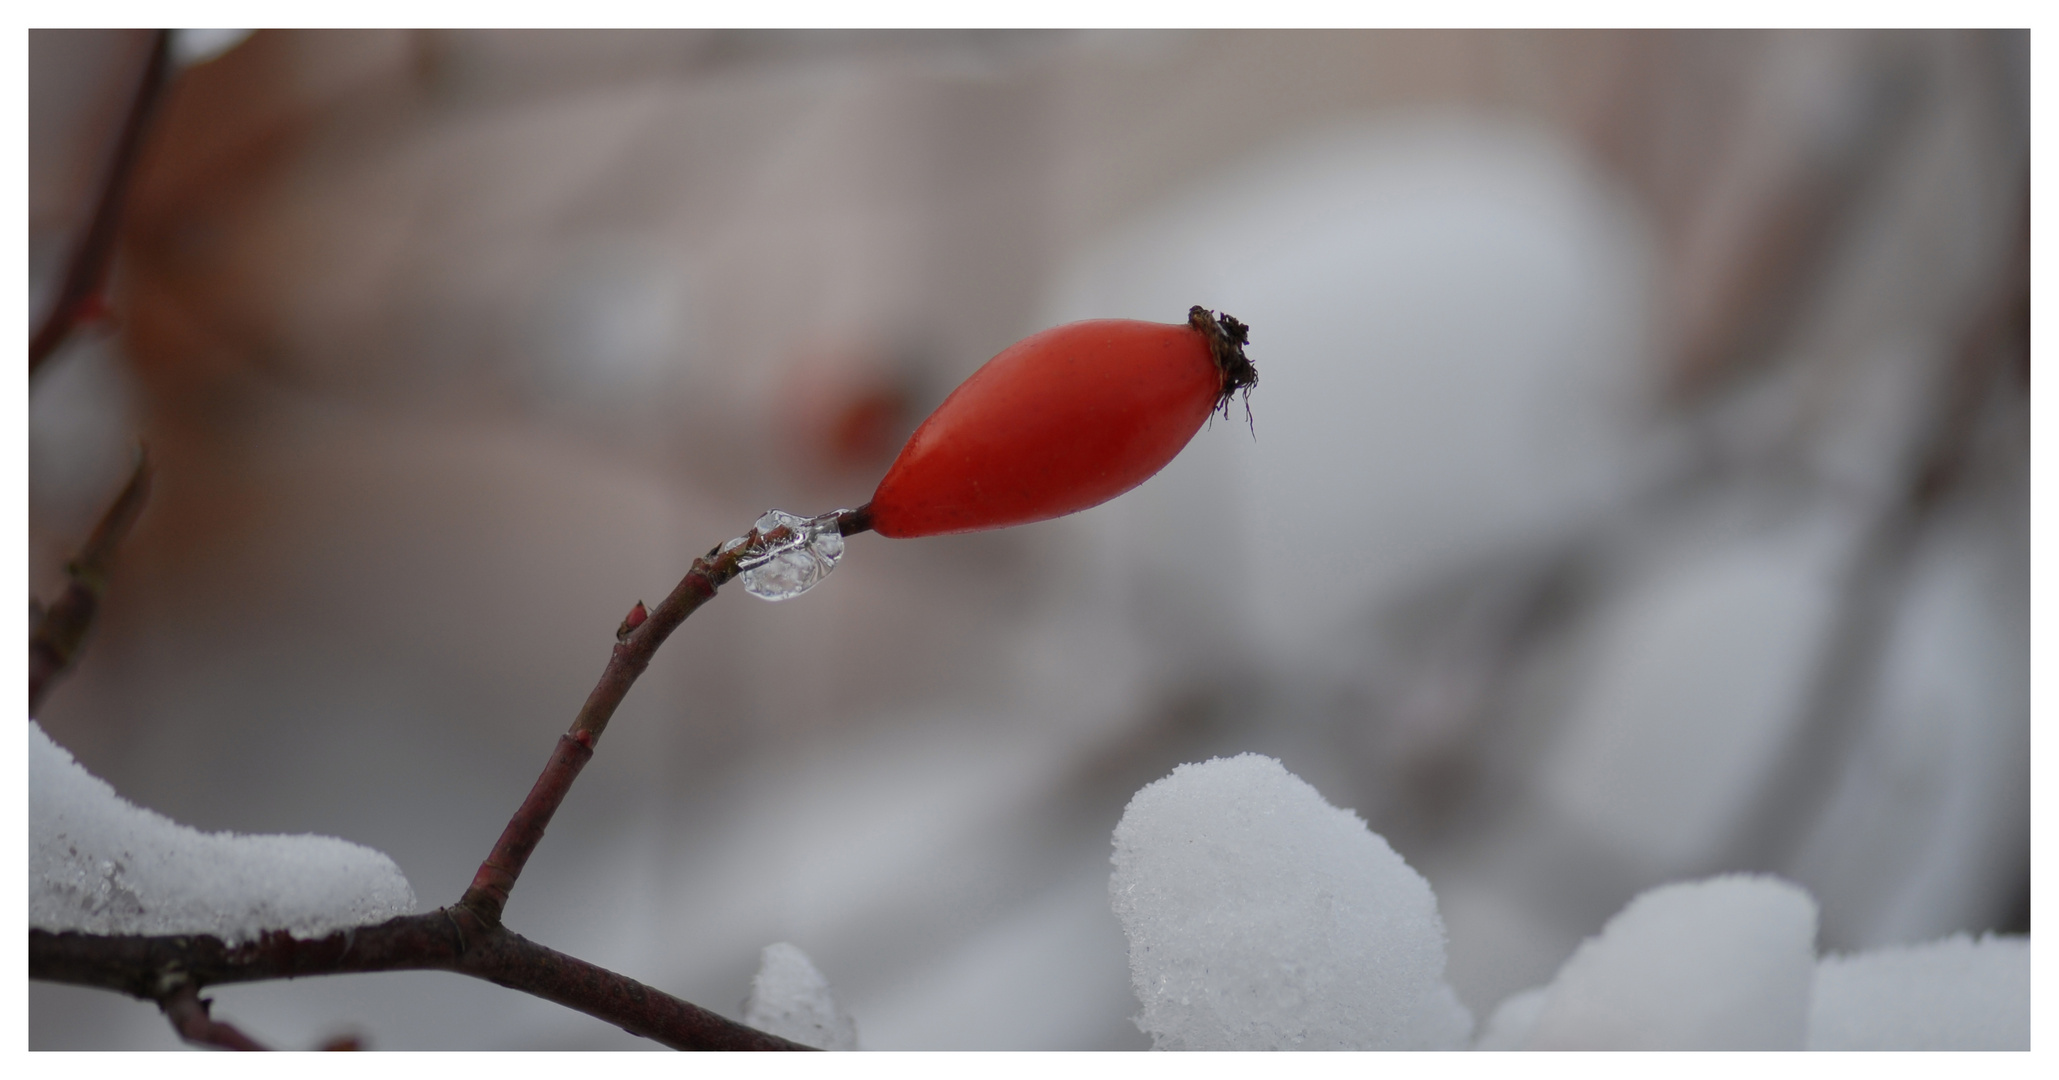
1510	1025
1721	964
1261	917
790	999
1953	994
102	865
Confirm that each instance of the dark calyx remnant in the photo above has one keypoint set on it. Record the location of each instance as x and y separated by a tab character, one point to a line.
1226	340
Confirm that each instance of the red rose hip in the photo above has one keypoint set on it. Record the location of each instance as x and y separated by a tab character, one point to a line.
1060	421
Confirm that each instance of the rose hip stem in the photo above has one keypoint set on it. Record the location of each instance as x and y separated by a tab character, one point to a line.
487	897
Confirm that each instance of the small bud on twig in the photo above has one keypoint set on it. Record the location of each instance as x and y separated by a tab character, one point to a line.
631	621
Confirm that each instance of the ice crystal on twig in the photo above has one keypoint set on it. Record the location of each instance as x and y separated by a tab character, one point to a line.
785	567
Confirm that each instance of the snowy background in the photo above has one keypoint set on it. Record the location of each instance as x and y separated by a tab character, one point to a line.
1639	489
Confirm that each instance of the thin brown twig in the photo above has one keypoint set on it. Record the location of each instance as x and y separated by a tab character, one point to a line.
87	270
488	894
467	937
1995	338
61	629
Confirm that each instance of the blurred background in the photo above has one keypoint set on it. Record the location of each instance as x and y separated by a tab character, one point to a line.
1637	486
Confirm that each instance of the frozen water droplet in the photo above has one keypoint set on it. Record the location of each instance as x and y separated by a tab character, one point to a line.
784	568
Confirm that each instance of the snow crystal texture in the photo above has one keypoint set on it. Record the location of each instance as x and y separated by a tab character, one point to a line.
790	999
1721	964
1261	917
102	865
1954	994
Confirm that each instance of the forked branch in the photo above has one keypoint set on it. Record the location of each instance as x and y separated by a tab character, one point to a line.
450	939
466	937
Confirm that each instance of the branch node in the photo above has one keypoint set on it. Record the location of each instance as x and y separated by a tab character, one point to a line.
61	629
457	927
636	617
189	1016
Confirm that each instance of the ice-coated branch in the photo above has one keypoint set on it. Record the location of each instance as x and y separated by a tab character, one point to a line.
54	643
87	270
450	939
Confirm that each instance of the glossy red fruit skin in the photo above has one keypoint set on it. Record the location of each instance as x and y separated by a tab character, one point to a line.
1060	421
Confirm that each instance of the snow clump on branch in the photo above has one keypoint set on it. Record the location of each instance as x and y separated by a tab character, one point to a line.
790	999
1723	964
1260	917
102	865
1729	963
1958	993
